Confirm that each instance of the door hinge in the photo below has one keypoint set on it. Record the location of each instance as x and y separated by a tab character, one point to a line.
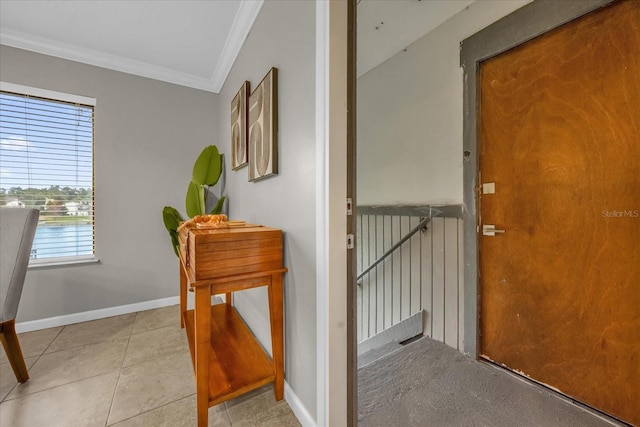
350	241
349	206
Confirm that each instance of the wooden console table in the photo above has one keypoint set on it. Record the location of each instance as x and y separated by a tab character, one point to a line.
227	359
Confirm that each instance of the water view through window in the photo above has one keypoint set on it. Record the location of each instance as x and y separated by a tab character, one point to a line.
52	241
46	162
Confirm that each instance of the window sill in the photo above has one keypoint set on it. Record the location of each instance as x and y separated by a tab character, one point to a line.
60	262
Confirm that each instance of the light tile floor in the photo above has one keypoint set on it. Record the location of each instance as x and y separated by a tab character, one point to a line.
130	370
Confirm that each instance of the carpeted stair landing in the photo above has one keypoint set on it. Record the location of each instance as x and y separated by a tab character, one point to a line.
426	383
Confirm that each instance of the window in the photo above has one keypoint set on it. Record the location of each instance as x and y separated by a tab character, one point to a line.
46	162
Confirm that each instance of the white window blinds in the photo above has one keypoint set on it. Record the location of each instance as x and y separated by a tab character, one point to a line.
46	162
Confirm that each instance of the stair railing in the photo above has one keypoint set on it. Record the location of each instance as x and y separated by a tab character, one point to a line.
421	226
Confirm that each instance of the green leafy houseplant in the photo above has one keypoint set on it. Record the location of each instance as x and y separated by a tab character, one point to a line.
206	173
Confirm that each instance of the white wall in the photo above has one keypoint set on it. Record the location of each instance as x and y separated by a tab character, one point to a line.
410	115
147	136
283	36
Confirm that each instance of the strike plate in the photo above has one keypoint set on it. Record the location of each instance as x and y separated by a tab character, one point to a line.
350	240
489	188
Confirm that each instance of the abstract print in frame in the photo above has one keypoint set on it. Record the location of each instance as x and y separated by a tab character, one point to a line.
239	143
263	124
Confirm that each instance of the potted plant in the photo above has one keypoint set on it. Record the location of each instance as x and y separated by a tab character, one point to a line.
206	173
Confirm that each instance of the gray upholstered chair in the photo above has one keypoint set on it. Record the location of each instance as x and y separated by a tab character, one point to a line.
17	230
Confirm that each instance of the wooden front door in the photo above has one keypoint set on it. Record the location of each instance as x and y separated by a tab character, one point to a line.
560	160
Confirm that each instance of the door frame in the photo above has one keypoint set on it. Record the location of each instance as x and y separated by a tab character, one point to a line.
336	369
524	24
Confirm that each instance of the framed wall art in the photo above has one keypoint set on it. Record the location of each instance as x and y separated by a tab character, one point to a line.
263	128
239	141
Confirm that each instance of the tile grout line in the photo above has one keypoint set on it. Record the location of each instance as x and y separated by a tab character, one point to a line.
116	374
131	333
124	356
153	409
57	386
5	399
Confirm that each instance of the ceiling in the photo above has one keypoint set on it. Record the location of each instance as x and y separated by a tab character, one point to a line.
192	43
386	27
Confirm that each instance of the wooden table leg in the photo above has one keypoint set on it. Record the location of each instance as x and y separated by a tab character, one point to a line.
276	320
202	314
11	346
183	294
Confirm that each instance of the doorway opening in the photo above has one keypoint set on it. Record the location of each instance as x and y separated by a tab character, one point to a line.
382	157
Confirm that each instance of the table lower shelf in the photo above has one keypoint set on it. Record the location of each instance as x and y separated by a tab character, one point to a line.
238	363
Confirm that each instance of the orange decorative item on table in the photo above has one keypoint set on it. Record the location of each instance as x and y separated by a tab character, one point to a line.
229	257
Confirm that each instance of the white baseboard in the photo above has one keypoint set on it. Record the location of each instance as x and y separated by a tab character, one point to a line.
69	319
298	408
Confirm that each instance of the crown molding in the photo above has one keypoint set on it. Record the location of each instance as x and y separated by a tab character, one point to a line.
91	57
242	23
246	15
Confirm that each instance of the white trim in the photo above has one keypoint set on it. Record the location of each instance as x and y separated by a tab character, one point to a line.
69	319
103	60
242	23
45	93
99	59
322	224
62	261
297	407
335	317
